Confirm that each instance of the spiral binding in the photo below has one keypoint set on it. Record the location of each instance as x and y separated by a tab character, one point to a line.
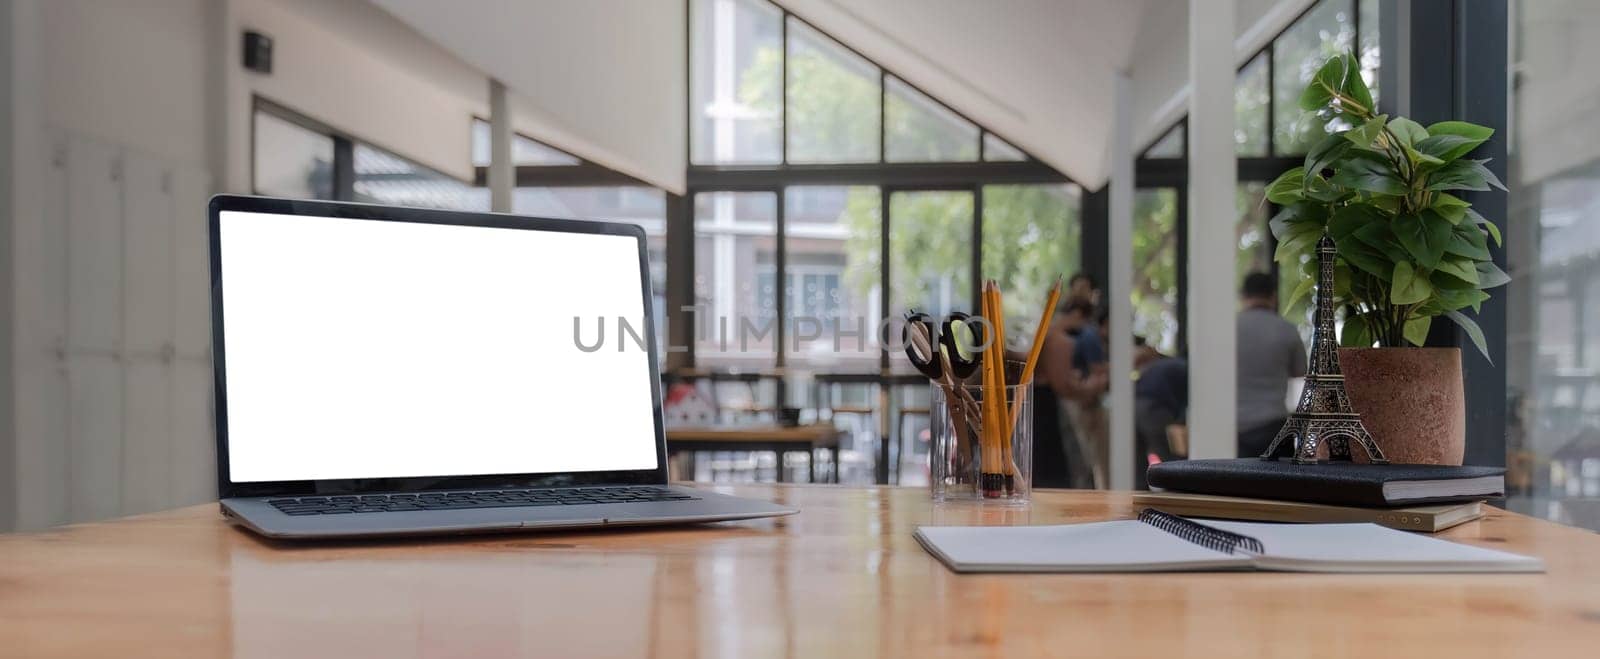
1200	534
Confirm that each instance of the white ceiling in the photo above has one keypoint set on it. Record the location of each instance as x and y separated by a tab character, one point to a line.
608	75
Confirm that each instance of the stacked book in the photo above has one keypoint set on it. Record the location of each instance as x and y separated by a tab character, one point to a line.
1425	498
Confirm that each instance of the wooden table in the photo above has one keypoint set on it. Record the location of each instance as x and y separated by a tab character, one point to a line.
843	578
780	439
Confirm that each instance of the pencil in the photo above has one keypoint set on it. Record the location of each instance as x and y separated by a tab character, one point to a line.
1038	344
989	480
1008	467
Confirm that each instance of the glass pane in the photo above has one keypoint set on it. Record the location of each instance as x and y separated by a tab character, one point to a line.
1250	109
921	130
524	151
930	253
1553	248
1170	145
290	160
1155	268
1370	31
735	279
385	178
998	150
1321	33
833	100
736	75
1031	236
832	279
1254	238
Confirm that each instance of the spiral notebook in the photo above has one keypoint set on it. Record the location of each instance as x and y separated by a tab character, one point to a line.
1160	542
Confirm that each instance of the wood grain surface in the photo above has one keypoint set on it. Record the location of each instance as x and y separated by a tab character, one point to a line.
844	578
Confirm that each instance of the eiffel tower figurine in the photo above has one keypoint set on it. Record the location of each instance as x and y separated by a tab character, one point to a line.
1324	415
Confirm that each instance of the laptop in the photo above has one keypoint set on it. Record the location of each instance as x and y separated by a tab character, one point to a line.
399	371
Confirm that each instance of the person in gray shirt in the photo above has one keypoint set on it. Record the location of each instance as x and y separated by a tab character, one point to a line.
1270	354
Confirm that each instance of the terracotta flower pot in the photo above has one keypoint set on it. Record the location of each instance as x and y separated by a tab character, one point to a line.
1411	400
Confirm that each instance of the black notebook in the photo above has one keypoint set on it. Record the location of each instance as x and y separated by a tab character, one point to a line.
1339	484
1159	542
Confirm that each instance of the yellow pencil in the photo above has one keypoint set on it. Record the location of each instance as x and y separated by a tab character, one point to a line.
1038	343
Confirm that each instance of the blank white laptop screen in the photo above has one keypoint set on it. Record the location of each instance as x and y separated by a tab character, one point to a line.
370	349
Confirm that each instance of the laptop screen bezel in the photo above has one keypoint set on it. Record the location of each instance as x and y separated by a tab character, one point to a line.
371	212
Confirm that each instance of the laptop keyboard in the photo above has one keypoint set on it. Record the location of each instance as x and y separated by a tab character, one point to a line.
383	503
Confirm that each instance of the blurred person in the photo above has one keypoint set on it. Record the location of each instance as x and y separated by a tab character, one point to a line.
1270	355
1060	460
1087	411
1081	286
1161	408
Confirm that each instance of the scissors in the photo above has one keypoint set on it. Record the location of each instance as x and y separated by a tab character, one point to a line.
948	364
945	361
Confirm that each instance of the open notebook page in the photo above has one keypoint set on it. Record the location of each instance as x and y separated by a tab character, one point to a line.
1120	546
1368	548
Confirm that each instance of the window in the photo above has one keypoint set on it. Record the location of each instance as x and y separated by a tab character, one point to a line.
1553	251
1170	145
524	151
998	150
831	252
1250	94
736	78
735	278
1254	238
930	252
1155	268
921	130
1031	235
832	103
1324	31
385	178
1370	33
290	160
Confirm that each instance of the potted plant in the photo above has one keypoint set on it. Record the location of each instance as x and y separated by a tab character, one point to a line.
1409	254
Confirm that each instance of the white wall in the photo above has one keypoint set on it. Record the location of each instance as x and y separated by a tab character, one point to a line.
603	79
124	117
106	267
352	66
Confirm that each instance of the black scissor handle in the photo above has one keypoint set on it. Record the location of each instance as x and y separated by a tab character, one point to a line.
963	358
924	354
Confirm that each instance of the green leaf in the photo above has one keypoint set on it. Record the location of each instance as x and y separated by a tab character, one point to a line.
1368	174
1324	153
1494	231
1464	175
1473	331
1491	276
1463	270
1451	299
1318	189
1424	161
1366	258
1450	207
1409	132
1294	214
1363	135
1408	288
1354	88
1301	238
1416	330
1355	333
1379	236
1424	236
1301	291
1463	129
1447	147
1348	219
1329	80
1287	188
1468	240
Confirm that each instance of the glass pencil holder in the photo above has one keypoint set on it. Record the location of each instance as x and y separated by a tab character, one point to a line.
980	452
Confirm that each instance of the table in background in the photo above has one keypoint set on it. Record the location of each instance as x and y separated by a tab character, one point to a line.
844	578
780	439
